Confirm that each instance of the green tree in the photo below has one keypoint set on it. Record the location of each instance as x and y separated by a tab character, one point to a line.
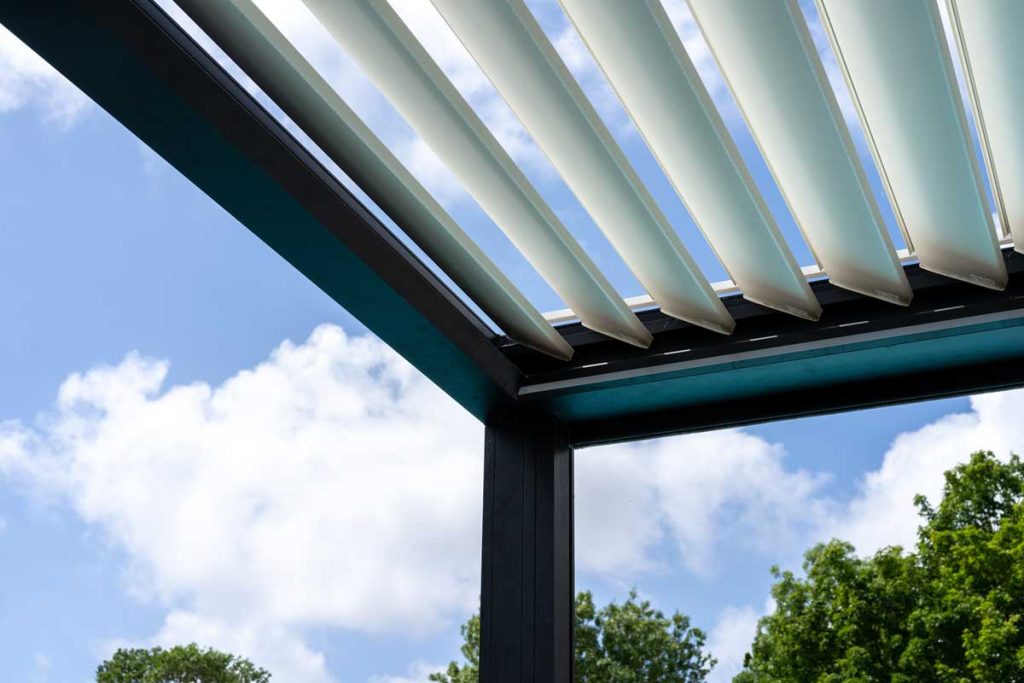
627	643
180	664
468	671
949	611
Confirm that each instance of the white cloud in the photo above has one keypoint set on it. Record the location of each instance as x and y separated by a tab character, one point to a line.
418	672
26	80
730	638
700	491
882	513
270	646
617	520
732	488
574	52
332	485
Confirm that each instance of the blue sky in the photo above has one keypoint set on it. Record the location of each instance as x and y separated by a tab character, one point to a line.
192	436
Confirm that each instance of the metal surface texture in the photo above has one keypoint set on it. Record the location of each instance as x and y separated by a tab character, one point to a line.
988	36
527	593
954	338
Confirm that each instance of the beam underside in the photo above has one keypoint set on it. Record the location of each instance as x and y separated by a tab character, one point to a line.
862	379
954	339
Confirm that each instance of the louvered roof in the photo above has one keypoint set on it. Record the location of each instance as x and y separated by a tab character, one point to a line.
894	57
932	88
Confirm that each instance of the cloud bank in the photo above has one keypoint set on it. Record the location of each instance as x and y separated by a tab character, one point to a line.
331	485
334	486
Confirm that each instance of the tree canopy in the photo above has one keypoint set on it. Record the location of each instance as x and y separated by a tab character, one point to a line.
622	643
180	664
949	610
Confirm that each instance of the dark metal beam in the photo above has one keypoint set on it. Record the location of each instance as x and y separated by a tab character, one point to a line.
527	595
136	63
954	339
944	382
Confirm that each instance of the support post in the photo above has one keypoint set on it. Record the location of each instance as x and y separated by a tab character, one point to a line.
528	590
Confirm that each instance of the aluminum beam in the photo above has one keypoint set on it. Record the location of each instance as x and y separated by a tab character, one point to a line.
954	338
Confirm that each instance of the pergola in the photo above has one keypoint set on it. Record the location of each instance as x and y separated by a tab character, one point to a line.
866	326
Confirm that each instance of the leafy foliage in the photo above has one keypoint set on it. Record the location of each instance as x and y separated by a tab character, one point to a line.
635	643
468	671
951	610
180	664
627	643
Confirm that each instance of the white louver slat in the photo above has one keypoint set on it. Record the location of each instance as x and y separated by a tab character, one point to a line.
254	43
895	58
989	37
769	61
391	56
512	50
643	58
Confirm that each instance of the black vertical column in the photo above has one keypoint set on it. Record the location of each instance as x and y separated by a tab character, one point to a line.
528	593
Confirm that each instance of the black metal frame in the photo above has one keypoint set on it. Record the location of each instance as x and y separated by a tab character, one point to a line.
527	582
942	309
954	339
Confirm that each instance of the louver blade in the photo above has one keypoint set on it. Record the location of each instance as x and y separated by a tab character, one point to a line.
511	48
390	55
989	37
641	54
769	61
895	58
256	45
